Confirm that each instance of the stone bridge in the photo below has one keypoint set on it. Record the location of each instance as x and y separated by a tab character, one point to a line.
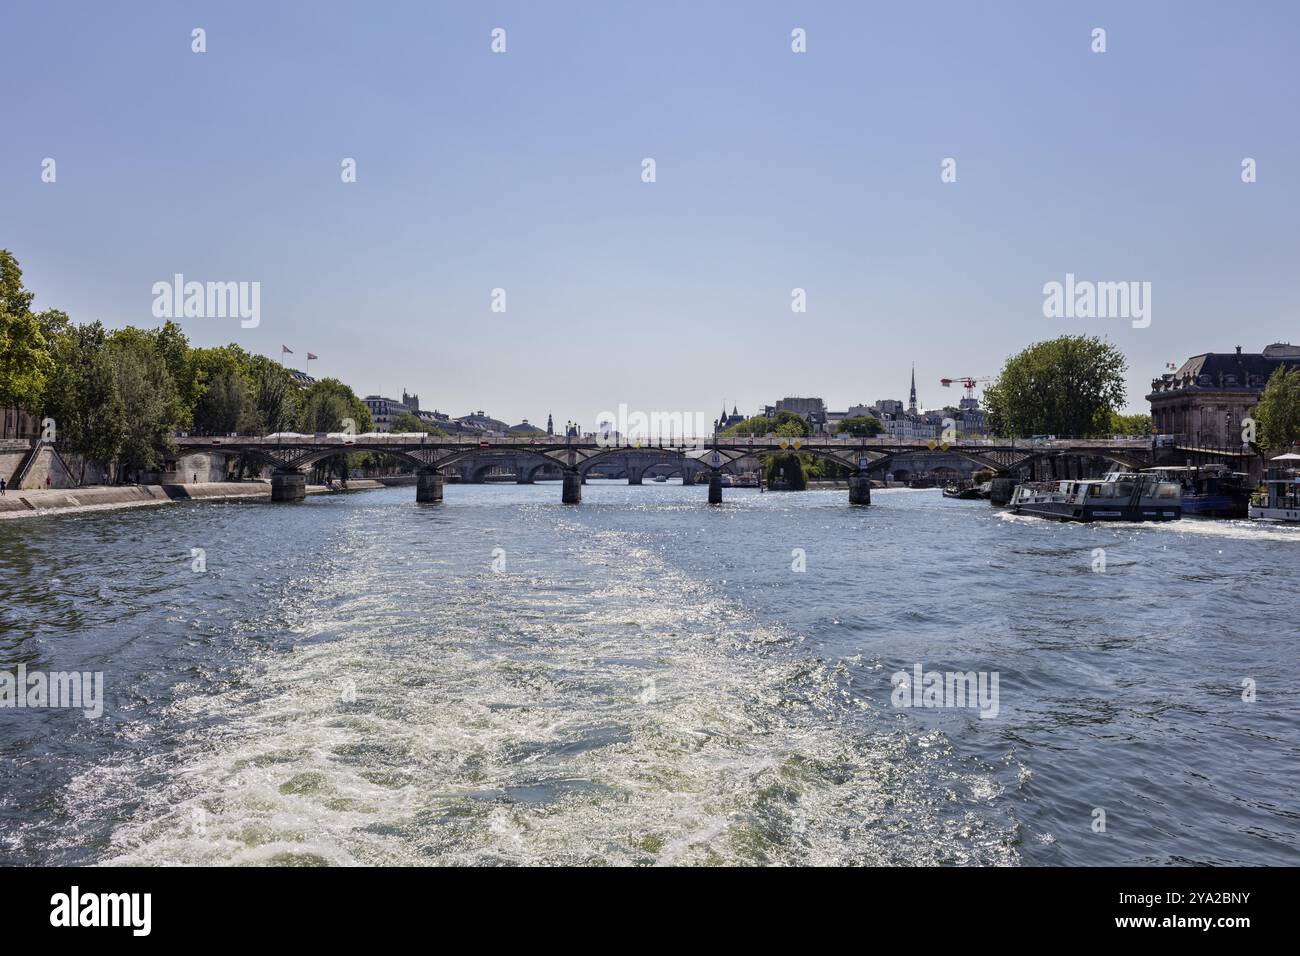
288	455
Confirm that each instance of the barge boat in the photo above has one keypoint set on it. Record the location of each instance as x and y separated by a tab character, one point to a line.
1120	496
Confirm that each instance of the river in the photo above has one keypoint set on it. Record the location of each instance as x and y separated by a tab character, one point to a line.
643	679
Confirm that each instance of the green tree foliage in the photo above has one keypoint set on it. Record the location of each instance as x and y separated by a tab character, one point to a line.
1135	425
221	389
82	397
327	403
788	468
785	424
1066	386
1278	411
277	400
174	350
408	422
27	339
148	400
861	426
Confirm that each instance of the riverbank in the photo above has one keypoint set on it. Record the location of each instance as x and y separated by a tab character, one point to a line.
30	504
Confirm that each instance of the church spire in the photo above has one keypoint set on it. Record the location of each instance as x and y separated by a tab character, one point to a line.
911	399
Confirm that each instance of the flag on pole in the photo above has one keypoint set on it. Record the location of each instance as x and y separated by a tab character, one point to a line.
284	349
311	356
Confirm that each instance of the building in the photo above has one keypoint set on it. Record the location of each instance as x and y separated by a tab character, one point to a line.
439	420
726	421
973	419
18	422
524	429
806	407
1204	401
384	410
811	410
833	420
301	379
482	423
908	427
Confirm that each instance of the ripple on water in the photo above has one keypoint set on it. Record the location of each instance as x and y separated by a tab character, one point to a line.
653	722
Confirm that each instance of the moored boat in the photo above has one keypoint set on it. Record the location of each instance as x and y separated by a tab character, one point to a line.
1281	500
1208	491
1120	496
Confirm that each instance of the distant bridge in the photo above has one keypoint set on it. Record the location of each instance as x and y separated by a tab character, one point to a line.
288	455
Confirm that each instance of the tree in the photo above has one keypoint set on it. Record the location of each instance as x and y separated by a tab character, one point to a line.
326	407
860	426
1135	425
408	422
328	403
223	391
788	468
81	395
1066	386
277	405
148	400
784	423
174	350
27	339
1278	411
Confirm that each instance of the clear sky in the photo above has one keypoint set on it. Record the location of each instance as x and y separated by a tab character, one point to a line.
775	170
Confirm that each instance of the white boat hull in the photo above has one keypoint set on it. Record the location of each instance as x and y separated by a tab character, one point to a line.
1265	513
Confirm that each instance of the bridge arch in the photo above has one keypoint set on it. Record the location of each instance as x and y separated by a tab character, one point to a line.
646	457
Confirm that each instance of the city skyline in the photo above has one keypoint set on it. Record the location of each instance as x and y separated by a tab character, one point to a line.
776	171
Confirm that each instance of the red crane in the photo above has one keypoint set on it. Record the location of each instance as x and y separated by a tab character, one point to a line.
968	381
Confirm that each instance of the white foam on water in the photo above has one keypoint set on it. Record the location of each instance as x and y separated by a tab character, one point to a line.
1236	530
631	716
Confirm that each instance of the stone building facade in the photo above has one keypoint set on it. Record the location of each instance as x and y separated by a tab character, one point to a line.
1204	402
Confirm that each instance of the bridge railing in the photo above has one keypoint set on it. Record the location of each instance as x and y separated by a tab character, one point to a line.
378	440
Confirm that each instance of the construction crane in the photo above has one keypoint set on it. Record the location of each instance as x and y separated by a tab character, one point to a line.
968	381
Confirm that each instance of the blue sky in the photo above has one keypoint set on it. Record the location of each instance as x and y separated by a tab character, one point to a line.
775	170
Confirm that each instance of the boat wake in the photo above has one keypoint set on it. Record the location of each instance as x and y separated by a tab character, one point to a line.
611	711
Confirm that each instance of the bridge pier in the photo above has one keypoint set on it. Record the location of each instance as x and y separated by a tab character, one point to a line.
688	477
523	475
859	490
634	475
715	487
428	487
288	484
1001	490
571	488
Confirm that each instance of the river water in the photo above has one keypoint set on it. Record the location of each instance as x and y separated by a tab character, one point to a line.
643	679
